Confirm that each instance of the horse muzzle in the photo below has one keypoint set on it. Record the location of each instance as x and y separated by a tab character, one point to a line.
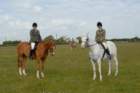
53	53
83	45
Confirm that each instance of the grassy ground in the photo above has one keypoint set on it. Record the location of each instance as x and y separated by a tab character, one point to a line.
70	71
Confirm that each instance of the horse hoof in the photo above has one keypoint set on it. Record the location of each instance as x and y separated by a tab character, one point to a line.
116	74
42	75
101	79
20	74
94	78
38	77
24	73
108	74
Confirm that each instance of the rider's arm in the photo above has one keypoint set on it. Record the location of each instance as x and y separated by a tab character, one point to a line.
97	38
104	35
31	36
39	36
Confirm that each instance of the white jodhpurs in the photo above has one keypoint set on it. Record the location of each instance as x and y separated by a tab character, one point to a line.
32	45
105	45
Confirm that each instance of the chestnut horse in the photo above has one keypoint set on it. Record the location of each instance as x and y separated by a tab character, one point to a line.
72	45
42	51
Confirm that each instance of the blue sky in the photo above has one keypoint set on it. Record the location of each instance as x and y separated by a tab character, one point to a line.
121	18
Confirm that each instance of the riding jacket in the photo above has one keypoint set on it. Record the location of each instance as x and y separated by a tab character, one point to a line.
35	36
100	35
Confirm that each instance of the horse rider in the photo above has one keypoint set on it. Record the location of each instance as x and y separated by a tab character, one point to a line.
101	39
35	38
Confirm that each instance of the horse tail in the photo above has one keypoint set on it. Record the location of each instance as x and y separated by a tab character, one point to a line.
20	60
112	47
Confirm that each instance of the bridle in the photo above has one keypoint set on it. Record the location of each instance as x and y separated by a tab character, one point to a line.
87	45
91	45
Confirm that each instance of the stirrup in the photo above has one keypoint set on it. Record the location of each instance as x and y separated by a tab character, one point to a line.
31	54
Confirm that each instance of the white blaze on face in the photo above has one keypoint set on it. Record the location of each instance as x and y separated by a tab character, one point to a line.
53	51
83	44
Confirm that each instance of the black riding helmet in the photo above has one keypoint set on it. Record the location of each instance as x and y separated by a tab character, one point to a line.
99	24
34	25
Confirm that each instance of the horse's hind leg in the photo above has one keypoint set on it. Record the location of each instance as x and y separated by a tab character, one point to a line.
99	69
42	68
116	66
24	66
110	67
38	70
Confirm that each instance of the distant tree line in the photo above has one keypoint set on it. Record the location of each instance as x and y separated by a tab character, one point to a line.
60	41
65	40
10	43
135	39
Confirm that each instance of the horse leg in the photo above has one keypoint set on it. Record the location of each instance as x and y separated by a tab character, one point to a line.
94	69
42	68
99	69
24	66
37	74
116	66
110	67
38	70
20	65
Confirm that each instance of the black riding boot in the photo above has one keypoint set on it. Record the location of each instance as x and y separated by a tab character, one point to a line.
31	54
105	51
108	53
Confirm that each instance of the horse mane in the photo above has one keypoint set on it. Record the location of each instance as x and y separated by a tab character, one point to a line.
48	43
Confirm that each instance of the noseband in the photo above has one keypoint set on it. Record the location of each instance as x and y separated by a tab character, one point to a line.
91	45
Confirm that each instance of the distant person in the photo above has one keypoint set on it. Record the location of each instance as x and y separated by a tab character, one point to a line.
35	38
101	38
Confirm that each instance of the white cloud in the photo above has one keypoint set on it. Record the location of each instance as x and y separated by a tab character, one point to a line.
37	8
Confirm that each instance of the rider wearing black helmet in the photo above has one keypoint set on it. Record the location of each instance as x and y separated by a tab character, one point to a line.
101	38
35	38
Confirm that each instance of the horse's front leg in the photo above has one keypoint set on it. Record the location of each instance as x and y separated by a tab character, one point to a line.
42	69
116	66
38	70
94	69
109	68
24	66
100	69
19	65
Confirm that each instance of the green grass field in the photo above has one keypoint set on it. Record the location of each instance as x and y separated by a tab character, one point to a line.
70	71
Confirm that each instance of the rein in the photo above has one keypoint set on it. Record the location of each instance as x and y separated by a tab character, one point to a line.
91	45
